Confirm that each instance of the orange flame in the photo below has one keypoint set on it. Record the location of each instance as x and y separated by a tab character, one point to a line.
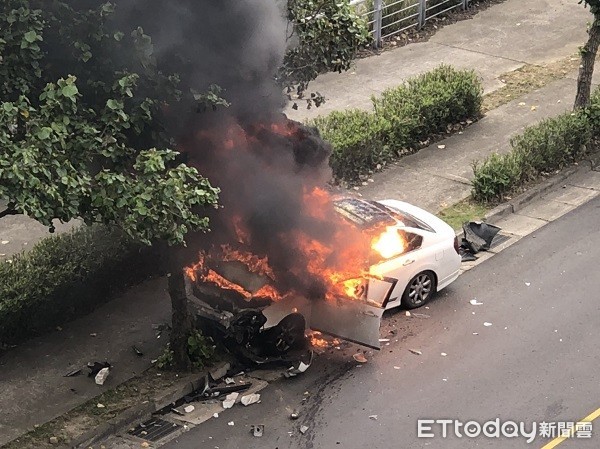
389	244
340	261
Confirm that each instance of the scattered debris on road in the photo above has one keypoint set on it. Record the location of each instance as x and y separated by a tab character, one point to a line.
360	358
294	415
474	302
303	429
477	236
137	351
257	430
75	372
102	376
99	405
96	367
231	423
230	400
416	351
53	440
373	417
189	408
487	324
250	399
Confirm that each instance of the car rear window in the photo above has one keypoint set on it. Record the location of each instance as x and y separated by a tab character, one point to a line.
364	214
408	220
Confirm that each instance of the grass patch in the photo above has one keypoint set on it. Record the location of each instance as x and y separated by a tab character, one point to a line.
527	79
87	416
465	210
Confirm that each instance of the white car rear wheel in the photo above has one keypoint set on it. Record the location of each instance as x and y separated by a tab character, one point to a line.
419	290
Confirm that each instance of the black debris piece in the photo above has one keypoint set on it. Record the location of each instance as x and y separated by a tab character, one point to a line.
75	372
96	367
478	236
217	392
137	351
466	255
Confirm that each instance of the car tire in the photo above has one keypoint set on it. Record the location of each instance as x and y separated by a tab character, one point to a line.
419	290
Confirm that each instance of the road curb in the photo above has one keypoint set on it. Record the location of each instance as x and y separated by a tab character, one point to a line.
138	413
534	193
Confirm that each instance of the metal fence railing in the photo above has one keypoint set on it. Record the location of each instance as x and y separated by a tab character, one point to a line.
387	18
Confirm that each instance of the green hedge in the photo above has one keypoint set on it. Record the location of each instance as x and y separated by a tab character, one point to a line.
65	276
403	118
546	147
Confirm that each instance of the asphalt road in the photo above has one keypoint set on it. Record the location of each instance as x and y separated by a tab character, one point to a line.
538	361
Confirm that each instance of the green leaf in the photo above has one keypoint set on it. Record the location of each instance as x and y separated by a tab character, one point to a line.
113	104
44	133
70	91
30	36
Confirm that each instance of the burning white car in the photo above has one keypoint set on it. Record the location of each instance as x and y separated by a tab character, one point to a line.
411	255
418	250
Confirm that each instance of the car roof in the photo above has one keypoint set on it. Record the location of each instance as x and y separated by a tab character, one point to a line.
369	214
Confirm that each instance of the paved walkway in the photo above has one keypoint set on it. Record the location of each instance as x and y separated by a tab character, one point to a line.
500	39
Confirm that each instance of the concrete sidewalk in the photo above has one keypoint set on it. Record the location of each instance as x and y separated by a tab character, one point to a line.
34	389
499	39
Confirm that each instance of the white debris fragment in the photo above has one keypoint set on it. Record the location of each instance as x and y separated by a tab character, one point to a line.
100	405
444	354
475	333
102	376
189	408
359	358
415	351
522	103
474	302
250	399
230	400
487	324
445	380
229	381
215	415
527	284
303	429
383	340
441	147
407	313
373	417
231	423
5	242
396	367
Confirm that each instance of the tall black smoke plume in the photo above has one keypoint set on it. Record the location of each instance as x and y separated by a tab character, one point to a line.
265	165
